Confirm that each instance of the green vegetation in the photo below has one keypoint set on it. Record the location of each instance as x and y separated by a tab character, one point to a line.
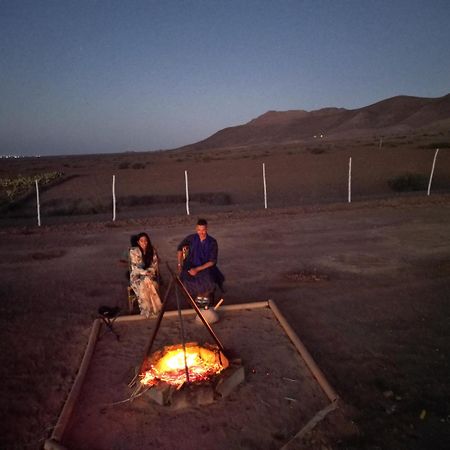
409	182
15	188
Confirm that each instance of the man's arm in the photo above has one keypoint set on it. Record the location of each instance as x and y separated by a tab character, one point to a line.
212	259
180	250
198	269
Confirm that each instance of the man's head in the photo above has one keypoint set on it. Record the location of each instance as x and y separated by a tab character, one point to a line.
202	228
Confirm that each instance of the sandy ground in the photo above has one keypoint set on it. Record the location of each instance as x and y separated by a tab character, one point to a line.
365	286
277	379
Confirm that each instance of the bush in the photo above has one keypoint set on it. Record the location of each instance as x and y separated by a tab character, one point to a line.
124	165
17	186
143	200
212	198
435	145
73	207
409	182
316	150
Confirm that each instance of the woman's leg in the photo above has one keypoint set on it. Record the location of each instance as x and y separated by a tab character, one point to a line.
151	293
144	299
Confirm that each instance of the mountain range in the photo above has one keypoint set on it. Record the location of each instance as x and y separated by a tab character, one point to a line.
396	115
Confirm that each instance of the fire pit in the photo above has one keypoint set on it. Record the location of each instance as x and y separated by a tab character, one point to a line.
277	379
201	373
170	365
195	375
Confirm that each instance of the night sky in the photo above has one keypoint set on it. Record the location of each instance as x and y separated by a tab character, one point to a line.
110	76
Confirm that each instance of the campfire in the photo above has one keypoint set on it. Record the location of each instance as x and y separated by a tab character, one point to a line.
176	366
186	374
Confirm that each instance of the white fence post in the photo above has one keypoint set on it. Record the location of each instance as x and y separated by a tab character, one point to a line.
38	204
432	171
114	197
350	180
265	185
187	191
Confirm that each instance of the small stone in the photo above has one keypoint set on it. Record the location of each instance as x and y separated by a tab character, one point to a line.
231	378
391	409
181	399
388	394
160	393
52	444
204	395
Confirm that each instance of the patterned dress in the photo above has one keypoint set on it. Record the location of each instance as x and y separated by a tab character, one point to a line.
144	283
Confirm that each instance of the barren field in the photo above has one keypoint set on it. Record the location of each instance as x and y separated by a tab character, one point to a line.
364	285
152	184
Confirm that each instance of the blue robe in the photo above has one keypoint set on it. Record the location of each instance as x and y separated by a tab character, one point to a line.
198	253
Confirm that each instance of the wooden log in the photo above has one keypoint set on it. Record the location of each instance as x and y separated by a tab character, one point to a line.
312	366
61	425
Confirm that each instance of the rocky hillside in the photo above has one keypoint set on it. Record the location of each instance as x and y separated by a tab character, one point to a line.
401	114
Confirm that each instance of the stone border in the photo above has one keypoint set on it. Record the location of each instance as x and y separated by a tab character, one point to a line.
58	431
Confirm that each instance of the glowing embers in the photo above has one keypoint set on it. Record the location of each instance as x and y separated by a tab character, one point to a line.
170	365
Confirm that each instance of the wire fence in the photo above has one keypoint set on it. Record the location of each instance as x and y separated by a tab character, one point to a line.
408	184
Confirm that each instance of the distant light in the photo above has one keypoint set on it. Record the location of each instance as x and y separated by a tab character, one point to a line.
18	156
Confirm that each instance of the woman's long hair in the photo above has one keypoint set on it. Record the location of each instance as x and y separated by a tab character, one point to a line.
148	256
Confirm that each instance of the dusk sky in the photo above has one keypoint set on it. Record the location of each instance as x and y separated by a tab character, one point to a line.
88	76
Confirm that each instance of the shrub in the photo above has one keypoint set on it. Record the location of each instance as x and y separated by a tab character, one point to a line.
317	151
434	145
212	198
72	207
124	165
138	166
409	182
14	187
142	200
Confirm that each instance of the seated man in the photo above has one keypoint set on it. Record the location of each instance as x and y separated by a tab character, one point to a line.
197	259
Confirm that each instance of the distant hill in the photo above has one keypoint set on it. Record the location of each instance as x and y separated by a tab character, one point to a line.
401	114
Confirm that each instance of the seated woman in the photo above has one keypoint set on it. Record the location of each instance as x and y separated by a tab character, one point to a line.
144	269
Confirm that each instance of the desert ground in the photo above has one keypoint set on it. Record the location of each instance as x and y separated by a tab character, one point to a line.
364	285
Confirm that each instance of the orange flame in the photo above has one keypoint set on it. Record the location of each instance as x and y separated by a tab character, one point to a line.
169	365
